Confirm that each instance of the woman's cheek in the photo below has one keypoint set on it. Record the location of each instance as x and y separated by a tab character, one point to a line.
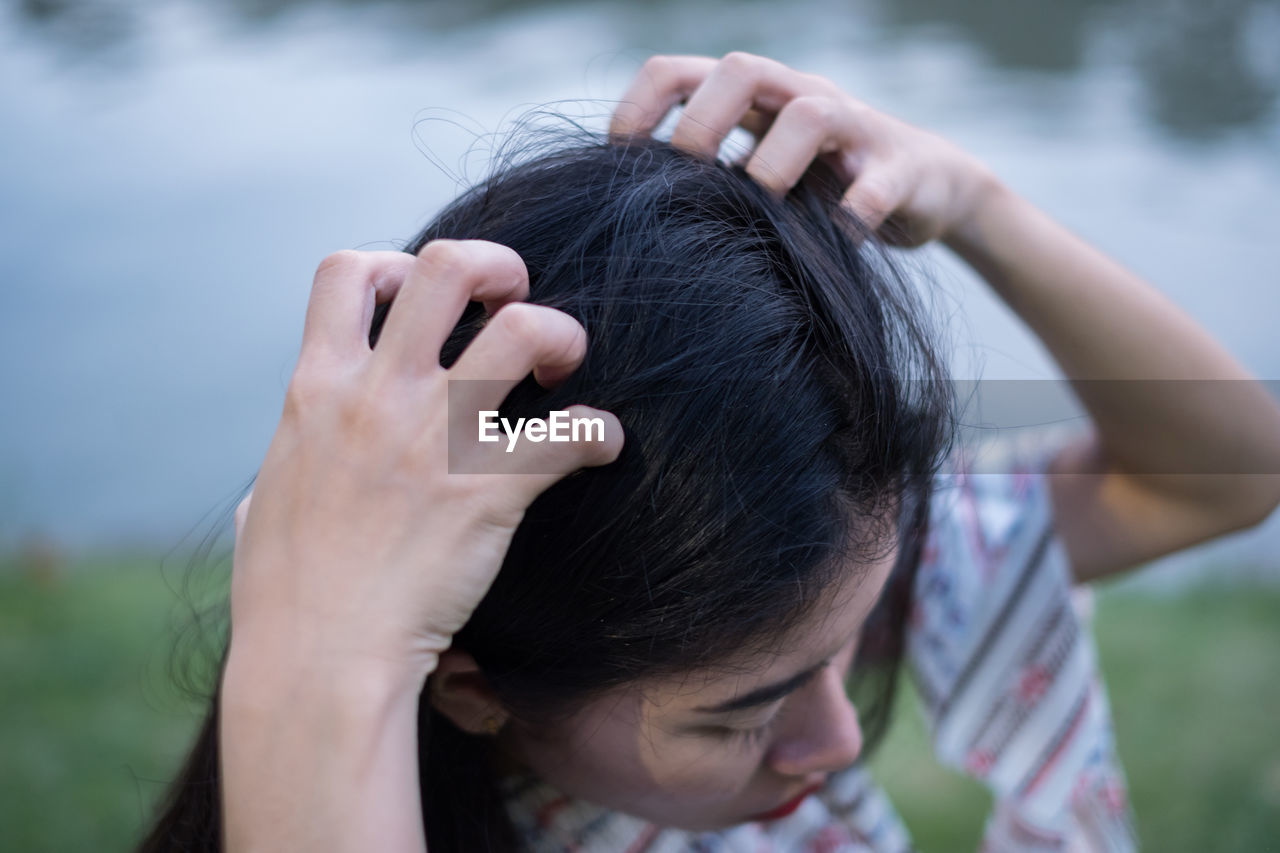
693	765
628	757
694	782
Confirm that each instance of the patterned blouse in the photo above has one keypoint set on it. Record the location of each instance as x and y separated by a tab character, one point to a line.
1000	652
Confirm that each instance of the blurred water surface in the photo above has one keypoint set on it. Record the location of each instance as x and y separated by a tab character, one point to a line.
171	172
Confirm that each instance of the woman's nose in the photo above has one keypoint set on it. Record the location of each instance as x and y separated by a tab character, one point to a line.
821	733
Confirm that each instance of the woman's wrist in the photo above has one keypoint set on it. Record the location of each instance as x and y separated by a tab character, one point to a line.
318	753
258	675
985	197
298	652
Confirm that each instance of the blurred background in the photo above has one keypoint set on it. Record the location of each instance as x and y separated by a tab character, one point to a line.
172	171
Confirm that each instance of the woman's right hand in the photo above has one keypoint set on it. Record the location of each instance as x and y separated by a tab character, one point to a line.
358	546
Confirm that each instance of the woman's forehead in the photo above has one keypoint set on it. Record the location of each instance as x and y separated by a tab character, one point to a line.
833	623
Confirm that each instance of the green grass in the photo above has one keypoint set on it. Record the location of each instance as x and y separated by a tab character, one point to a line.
90	724
91	727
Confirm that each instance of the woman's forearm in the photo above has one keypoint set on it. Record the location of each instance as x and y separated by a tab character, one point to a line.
315	759
1165	397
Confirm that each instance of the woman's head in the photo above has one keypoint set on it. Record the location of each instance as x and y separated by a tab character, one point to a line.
720	745
784	411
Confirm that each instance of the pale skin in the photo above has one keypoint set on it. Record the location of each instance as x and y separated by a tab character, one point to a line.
338	618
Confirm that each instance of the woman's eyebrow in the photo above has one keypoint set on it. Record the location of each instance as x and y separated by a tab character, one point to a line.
764	695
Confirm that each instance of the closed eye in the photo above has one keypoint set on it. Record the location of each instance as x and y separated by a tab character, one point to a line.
748	737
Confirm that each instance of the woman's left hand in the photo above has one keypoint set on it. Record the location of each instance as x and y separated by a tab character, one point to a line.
910	185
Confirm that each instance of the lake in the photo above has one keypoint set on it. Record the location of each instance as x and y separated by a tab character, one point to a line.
172	172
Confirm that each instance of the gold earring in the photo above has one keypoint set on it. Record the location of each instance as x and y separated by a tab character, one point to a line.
492	725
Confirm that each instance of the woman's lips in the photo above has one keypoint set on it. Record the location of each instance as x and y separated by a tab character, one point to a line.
789	806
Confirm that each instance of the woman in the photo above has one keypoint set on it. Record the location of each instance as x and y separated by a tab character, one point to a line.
661	661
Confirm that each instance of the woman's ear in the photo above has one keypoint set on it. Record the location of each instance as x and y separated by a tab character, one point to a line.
461	692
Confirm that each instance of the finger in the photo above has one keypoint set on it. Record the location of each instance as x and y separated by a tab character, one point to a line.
541	460
806	127
519	339
347	286
738	83
597	440
661	83
876	193
445	276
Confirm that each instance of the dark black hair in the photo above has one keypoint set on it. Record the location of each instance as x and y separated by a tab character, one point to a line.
785	410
